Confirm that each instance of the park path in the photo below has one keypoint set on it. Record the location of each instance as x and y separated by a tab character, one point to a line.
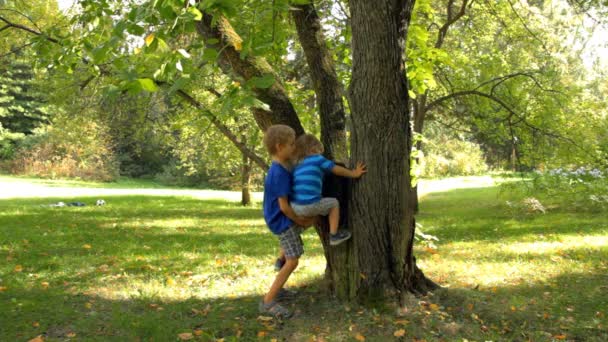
22	188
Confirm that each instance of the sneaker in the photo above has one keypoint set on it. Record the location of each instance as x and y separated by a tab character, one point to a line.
274	309
279	264
339	237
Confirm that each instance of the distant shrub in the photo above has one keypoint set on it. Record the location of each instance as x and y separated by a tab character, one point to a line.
451	157
580	189
72	147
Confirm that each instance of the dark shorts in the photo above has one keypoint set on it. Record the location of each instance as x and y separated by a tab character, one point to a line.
291	242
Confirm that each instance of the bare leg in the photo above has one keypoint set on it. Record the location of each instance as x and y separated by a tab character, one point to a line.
334	219
280	279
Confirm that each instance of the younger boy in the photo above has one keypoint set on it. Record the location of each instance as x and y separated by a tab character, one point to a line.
278	214
308	184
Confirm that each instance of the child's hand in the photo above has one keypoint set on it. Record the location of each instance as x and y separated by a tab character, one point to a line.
359	170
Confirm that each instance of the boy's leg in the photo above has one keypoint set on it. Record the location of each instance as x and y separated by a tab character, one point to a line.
280	279
334	220
292	246
278	264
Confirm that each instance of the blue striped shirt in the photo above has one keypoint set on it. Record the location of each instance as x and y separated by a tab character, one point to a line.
308	179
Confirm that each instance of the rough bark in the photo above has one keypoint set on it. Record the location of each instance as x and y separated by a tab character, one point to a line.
381	253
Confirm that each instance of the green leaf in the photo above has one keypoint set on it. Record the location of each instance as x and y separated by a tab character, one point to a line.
300	2
147	84
178	84
198	15
263	82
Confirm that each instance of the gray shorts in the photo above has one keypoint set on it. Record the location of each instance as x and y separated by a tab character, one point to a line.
318	208
291	242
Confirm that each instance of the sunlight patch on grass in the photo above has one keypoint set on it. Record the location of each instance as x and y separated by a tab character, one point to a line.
553	247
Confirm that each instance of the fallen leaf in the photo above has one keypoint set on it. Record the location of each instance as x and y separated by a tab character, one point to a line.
71	334
185	336
170	281
86	246
470	307
198	332
430	250
399	333
18	268
513	308
402	321
45	285
363	276
265	318
38	338
359	337
262	333
88	305
434	307
560	337
3	288
35	324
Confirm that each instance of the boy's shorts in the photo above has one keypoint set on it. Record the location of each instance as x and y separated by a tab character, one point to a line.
318	208
291	242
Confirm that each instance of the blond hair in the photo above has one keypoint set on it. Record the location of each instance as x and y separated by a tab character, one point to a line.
277	134
307	144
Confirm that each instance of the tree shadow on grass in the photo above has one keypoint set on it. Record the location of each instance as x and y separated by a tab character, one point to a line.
572	305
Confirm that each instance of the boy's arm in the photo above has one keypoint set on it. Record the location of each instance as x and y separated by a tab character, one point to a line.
288	211
344	172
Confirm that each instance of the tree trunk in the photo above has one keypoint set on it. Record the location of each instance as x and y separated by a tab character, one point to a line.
327	86
245	181
379	260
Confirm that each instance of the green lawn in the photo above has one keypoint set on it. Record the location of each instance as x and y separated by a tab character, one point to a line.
154	267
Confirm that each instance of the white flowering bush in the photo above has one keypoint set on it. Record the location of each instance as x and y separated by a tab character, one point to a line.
578	189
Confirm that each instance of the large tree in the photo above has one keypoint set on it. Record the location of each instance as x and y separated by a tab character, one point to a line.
182	38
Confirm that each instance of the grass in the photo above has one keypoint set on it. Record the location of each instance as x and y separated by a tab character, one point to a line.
153	267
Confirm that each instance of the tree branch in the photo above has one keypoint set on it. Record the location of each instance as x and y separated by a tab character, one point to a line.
246	67
27	29
326	84
224	130
451	19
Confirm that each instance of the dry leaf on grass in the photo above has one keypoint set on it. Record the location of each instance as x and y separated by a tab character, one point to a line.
399	333
359	337
185	336
38	338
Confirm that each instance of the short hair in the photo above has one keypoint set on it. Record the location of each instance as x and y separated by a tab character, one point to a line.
306	145
277	134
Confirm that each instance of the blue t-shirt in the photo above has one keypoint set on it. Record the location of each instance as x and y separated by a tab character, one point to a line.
277	184
308	179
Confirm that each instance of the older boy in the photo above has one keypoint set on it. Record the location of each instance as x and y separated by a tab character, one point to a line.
279	140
